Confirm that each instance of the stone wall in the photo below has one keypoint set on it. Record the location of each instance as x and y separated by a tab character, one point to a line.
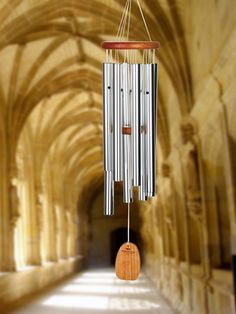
15	287
51	163
195	206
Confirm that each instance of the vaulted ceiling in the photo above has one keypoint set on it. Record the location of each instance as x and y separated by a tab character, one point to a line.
50	75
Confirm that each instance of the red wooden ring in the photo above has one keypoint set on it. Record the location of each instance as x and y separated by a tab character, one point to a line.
128	45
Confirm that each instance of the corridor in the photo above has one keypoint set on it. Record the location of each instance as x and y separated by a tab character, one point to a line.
75	116
99	291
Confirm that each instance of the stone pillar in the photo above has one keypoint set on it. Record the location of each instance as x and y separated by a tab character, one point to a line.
33	228
52	228
49	219
195	195
75	233
62	231
14	205
69	233
39	217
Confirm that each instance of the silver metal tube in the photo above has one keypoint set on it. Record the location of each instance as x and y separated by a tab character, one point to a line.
108	138
149	134
117	123
127	180
143	185
107	114
135	122
108	194
151	128
125	90
154	109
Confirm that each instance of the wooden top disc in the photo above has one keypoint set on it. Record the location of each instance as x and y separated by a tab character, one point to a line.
128	262
126	45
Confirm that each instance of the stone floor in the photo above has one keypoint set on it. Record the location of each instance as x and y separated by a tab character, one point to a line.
98	292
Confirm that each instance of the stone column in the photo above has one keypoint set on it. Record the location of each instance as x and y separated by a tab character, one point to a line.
195	194
33	228
62	231
74	233
69	233
14	205
39	217
53	230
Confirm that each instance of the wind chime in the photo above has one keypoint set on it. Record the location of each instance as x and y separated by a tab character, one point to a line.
129	124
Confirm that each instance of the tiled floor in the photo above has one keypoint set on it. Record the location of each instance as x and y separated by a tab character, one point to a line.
98	292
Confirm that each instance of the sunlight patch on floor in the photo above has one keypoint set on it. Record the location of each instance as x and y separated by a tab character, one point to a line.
99	303
99	291
105	289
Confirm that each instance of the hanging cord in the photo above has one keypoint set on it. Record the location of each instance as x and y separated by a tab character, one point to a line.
128	224
122	30
126	22
124	27
154	56
107	55
144	21
122	20
129	15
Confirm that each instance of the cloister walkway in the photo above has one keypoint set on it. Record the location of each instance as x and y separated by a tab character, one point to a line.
100	292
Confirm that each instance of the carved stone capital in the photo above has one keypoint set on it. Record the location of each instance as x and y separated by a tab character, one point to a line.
166	170
188	129
39	206
39	203
195	211
14	201
169	215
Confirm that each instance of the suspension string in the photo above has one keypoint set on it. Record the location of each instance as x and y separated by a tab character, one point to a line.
116	57
133	56
122	20
122	27
111	56
128	29
144	21
125	56
128	224
107	56
126	19
154	55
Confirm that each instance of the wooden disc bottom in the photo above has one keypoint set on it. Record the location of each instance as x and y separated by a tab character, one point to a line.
128	262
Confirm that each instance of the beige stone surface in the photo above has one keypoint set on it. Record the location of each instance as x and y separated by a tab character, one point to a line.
99	291
51	163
